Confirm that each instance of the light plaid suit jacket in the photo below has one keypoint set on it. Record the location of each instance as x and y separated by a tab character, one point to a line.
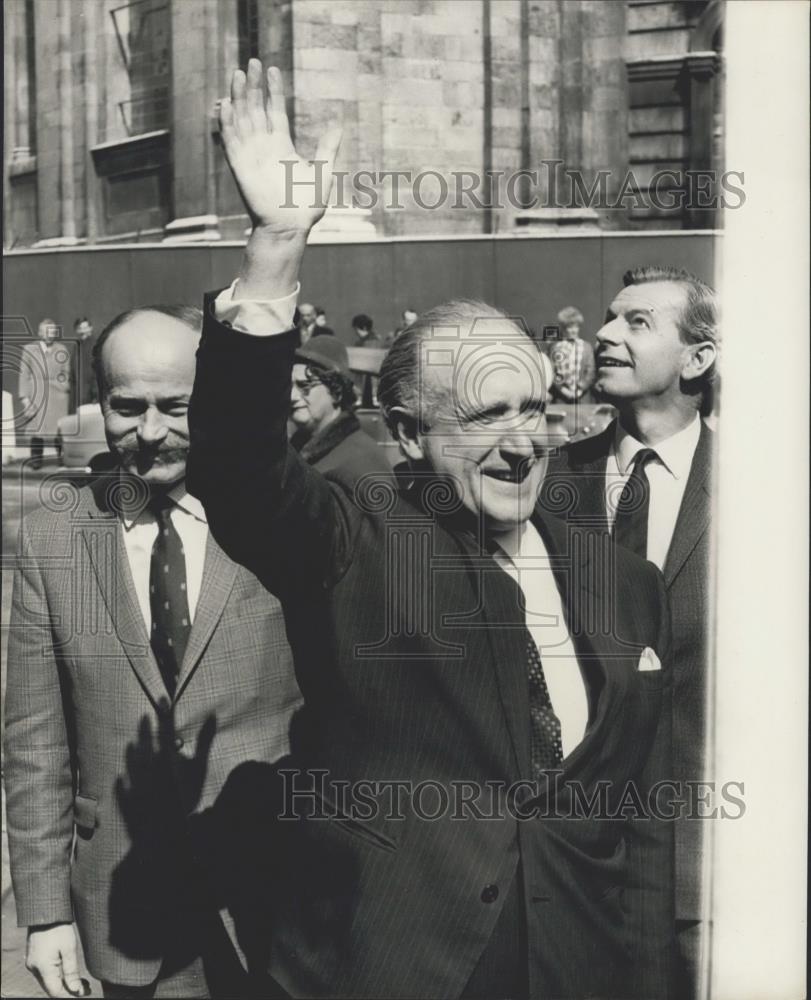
118	799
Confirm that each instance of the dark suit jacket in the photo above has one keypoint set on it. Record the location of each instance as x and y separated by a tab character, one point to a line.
410	650
574	488
94	746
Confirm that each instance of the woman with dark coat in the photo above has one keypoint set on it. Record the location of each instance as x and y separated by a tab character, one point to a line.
322	402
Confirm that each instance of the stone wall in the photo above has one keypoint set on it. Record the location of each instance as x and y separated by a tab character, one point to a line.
429	87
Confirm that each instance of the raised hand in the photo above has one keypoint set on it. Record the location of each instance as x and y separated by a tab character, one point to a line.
282	192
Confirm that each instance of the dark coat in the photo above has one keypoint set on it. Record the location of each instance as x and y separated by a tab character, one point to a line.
346	447
574	489
410	650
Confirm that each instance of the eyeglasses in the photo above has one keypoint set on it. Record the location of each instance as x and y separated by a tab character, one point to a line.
306	387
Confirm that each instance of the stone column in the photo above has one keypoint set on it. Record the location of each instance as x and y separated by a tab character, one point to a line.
93	30
276	47
65	74
194	90
700	69
47	22
10	71
593	101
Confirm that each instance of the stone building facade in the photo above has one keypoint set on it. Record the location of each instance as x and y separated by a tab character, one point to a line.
111	131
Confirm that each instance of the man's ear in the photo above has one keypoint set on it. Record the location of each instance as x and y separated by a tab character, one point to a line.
406	428
698	359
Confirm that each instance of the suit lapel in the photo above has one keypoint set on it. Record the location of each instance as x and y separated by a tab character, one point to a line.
588	460
103	538
694	513
219	573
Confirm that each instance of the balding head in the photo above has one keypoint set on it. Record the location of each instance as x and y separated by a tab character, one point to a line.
307	313
145	365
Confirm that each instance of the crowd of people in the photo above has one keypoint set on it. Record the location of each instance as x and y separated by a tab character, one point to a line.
57	376
345	731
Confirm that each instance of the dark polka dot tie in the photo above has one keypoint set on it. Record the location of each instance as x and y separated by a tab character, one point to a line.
168	598
546	749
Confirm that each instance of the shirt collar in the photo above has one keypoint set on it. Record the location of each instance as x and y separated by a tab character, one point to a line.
675	453
179	497
523	540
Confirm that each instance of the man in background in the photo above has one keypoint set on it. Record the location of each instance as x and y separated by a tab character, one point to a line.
44	388
365	336
149	681
648	479
307	321
407	319
86	385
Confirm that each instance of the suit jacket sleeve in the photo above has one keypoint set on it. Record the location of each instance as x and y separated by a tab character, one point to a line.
38	772
651	887
266	507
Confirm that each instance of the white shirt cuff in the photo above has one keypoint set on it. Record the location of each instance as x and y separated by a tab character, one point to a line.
260	317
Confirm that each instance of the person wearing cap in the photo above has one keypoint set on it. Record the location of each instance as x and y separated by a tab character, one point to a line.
322	402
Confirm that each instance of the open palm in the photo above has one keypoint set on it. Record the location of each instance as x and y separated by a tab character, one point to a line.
280	190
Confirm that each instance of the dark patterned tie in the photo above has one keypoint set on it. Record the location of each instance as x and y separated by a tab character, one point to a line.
631	521
168	597
546	749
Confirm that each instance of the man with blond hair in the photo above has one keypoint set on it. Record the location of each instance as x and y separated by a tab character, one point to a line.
648	479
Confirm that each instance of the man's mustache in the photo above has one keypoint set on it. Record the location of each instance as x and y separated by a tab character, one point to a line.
147	456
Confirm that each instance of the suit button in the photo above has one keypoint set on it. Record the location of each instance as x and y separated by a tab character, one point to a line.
179	742
490	894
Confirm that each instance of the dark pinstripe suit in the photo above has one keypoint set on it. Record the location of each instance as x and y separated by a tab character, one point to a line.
580	469
410	652
92	743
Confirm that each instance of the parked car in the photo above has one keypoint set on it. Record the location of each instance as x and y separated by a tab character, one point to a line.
80	440
588	419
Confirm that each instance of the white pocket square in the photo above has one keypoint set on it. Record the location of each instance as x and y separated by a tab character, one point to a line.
649	660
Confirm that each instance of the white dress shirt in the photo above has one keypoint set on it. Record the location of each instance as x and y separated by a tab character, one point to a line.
259	317
189	520
667	478
524	557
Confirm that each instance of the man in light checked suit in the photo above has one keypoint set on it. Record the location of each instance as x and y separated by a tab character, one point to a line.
149	682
